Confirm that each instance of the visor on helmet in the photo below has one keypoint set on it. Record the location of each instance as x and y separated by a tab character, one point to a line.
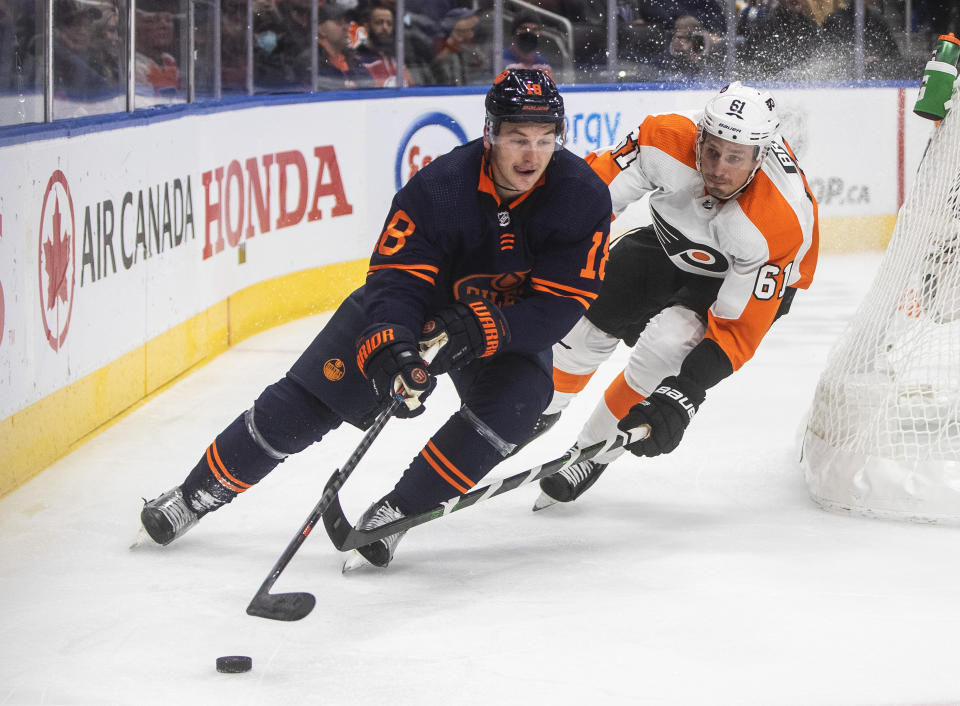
548	142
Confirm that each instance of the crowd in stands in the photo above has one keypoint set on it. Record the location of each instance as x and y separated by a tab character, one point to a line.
449	42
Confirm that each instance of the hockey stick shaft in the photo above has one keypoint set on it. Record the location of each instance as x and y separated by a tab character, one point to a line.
259	604
295	606
346	537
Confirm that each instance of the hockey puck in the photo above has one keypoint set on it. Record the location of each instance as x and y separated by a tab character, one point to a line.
234	664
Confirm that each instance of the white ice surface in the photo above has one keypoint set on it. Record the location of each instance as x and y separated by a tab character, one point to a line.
705	577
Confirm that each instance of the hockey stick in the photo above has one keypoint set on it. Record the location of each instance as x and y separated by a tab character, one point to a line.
295	606
346	537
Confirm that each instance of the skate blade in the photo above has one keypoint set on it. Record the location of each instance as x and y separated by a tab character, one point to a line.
544	501
353	562
142	539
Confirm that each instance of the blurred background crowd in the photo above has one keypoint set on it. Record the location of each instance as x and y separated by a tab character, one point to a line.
101	56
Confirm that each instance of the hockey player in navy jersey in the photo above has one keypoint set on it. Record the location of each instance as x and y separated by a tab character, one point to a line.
501	246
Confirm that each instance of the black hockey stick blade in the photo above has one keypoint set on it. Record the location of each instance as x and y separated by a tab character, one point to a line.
346	537
282	606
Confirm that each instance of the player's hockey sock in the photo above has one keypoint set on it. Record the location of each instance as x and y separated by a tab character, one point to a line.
285	419
617	400
620	396
233	463
449	465
566	386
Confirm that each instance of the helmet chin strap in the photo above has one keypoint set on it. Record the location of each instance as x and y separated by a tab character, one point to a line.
489	162
502	186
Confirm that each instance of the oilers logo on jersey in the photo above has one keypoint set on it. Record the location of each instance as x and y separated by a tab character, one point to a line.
502	289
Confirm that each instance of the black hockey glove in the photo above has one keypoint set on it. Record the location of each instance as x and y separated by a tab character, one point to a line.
475	328
668	411
387	356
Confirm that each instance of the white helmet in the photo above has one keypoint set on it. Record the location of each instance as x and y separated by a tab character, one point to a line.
742	115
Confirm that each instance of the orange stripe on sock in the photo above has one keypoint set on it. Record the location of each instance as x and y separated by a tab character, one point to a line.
216	474
223	468
446	462
441	473
569	382
620	397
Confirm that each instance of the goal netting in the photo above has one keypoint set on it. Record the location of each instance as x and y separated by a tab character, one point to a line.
883	437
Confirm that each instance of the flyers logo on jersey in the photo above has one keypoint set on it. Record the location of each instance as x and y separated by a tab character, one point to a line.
697	255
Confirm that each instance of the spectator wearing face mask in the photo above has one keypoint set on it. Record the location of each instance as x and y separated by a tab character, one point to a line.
281	50
522	52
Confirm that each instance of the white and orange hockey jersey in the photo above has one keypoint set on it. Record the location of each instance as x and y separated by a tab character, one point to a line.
760	243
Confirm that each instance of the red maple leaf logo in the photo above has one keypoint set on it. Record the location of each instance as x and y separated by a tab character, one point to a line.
56	260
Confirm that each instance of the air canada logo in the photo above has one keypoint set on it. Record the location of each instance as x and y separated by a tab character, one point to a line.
677	245
57	263
334	370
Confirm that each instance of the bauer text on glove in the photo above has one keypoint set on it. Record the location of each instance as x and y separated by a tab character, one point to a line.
667	411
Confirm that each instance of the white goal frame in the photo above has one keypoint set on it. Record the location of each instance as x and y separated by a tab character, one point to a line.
883	435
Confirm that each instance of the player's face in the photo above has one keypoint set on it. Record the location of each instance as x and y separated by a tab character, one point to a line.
725	166
519	156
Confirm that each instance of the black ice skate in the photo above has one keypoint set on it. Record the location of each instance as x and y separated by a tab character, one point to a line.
168	516
568	484
378	553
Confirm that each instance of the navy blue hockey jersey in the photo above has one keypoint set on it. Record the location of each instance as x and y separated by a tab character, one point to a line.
540	257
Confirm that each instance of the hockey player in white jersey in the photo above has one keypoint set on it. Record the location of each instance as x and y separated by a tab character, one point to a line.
734	235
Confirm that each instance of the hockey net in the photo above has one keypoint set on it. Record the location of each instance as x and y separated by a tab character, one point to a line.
883	437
